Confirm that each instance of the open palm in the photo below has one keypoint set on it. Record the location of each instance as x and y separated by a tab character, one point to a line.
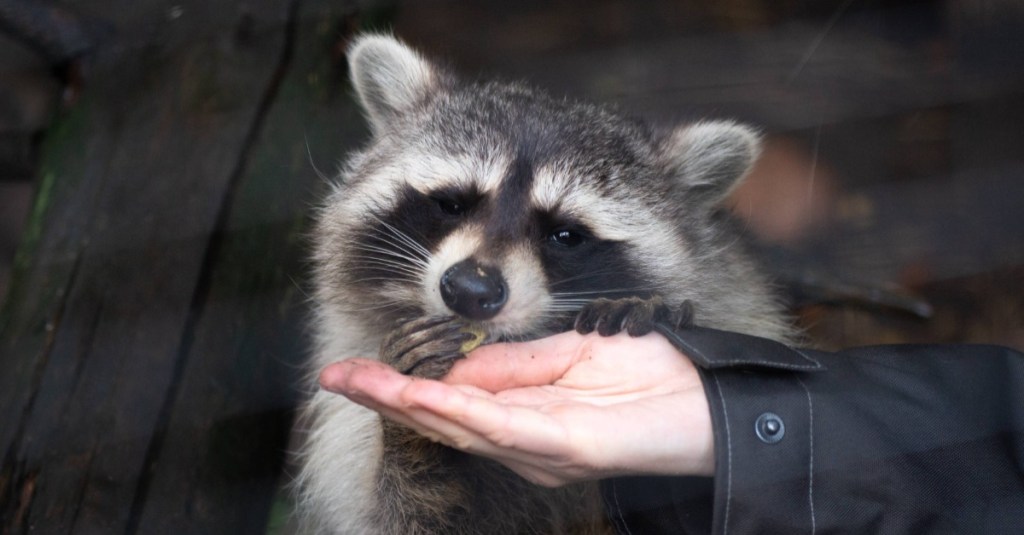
565	408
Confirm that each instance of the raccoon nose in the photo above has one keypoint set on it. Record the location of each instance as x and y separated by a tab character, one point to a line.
473	290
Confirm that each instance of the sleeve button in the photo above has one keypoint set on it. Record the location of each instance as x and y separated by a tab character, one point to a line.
769	428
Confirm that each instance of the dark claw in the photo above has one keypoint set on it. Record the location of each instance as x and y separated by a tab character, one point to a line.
635	315
588	317
683	316
425	347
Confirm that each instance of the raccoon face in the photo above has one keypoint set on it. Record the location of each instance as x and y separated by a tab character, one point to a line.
509	208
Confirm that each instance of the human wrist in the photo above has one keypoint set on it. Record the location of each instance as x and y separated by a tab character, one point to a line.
678	441
697	454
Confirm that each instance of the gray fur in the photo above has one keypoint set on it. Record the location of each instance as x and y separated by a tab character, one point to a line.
528	166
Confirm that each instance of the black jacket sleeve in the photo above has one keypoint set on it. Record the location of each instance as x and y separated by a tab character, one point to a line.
885	439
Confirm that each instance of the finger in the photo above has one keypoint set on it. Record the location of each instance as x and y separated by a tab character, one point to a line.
451	433
497	367
337	377
334	376
367	382
510	431
379	387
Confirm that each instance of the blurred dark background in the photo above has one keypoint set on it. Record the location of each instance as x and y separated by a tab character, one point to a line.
158	162
894	162
894	149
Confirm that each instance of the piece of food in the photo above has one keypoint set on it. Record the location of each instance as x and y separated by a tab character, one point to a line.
478	338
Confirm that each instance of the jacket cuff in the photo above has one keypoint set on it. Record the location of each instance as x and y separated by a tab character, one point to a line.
762	425
712	349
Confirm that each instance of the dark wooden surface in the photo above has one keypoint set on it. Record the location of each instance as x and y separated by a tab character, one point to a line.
152	337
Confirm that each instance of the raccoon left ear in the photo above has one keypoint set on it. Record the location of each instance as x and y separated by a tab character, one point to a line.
389	77
711	158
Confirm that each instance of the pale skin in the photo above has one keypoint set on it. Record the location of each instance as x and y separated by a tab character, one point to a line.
557	410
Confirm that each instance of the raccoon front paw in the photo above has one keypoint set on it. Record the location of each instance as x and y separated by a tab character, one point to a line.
427	347
634	315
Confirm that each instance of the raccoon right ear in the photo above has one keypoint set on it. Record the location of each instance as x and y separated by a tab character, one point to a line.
389	77
711	158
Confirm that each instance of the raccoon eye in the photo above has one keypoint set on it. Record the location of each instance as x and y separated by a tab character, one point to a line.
567	238
451	207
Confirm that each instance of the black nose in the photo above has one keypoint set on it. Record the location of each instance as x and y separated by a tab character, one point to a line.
473	290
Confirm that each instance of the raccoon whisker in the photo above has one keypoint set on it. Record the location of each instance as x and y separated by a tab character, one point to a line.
583	294
398	247
559	299
391	266
393	260
368	308
309	156
388	252
566	307
564	300
386	279
417	243
392	276
414	245
585	276
398	251
605	292
563	307
558	313
398	238
390	273
555	314
301	288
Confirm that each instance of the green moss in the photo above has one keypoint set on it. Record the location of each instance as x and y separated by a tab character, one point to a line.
280	513
62	154
36	220
61	158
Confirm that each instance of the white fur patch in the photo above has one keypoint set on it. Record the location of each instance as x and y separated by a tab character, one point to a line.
456	247
528	293
339	472
423	172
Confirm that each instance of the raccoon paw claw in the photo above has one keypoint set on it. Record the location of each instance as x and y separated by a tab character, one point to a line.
426	347
634	315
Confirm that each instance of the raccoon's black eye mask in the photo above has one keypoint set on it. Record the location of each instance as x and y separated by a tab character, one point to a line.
561	233
451	207
568	238
455	202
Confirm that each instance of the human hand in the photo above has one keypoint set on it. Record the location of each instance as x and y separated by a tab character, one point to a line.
565	408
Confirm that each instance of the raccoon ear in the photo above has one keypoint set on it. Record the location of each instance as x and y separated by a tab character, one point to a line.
711	158
389	77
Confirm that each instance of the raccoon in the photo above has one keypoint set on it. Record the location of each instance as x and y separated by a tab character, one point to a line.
495	206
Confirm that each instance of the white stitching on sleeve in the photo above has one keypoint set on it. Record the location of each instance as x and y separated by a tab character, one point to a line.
810	432
618	508
728	459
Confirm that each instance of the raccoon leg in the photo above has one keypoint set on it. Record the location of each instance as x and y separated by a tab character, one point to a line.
634	315
426	347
